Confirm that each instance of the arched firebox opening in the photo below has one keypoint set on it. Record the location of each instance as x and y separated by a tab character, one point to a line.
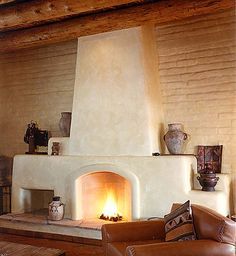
104	194
96	187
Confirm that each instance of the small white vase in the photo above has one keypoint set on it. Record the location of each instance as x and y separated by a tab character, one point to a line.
175	139
56	209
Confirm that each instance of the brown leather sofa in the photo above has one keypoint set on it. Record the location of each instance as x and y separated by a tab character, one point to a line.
216	236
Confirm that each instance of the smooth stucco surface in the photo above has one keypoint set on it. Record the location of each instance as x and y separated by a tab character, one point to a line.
156	182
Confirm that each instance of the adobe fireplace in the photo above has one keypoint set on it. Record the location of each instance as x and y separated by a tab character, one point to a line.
117	123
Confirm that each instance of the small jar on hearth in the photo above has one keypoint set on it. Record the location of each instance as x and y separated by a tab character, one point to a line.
56	209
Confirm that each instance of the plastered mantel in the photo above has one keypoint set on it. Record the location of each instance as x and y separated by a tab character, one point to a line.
157	182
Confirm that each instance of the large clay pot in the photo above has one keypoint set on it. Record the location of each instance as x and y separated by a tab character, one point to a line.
64	123
56	209
175	139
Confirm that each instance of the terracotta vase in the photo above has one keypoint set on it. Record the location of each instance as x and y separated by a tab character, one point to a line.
64	124
175	139
56	209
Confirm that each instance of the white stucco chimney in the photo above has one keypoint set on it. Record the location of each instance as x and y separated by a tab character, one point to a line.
117	105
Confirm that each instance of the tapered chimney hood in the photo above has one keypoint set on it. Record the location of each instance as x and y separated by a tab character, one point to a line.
117	105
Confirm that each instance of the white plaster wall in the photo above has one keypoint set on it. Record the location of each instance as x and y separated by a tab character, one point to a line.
111	106
157	182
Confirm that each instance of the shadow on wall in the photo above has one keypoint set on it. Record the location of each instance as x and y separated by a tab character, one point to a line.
233	194
6	164
162	142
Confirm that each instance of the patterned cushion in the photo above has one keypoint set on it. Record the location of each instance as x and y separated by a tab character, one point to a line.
179	224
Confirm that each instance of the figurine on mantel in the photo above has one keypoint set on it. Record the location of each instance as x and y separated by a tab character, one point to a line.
35	137
55	148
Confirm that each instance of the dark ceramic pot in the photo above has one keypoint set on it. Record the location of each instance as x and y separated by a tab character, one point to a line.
208	180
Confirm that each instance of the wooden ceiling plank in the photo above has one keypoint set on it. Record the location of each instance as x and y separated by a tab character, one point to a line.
156	13
7	1
32	13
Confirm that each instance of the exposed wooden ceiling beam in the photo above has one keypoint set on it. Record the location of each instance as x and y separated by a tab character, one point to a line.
156	13
7	1
32	13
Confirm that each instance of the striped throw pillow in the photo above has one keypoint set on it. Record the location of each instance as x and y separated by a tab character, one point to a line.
179	224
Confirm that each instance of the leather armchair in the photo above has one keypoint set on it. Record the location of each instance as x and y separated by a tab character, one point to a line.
216	236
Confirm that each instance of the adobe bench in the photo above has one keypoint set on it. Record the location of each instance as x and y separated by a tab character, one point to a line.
14	249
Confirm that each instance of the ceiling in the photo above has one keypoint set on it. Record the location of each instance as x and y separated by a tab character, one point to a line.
29	23
18	14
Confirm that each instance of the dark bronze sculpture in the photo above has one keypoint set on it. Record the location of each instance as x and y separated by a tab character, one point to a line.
35	137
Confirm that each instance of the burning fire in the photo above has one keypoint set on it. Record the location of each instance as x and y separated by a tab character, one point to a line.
110	211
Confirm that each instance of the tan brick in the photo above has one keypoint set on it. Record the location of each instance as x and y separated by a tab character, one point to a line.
197	61
234	122
35	84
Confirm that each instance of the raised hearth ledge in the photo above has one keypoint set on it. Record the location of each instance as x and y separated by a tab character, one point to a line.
37	223
93	224
157	182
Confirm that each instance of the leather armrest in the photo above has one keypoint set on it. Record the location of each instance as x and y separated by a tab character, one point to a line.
213	226
184	248
133	231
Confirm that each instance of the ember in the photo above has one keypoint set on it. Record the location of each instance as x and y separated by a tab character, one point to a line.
111	218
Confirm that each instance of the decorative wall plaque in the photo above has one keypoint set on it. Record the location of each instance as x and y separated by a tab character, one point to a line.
209	156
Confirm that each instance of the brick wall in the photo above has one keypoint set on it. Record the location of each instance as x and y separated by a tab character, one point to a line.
197	61
35	84
197	65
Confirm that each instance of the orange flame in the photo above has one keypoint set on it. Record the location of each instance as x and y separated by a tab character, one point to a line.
110	207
